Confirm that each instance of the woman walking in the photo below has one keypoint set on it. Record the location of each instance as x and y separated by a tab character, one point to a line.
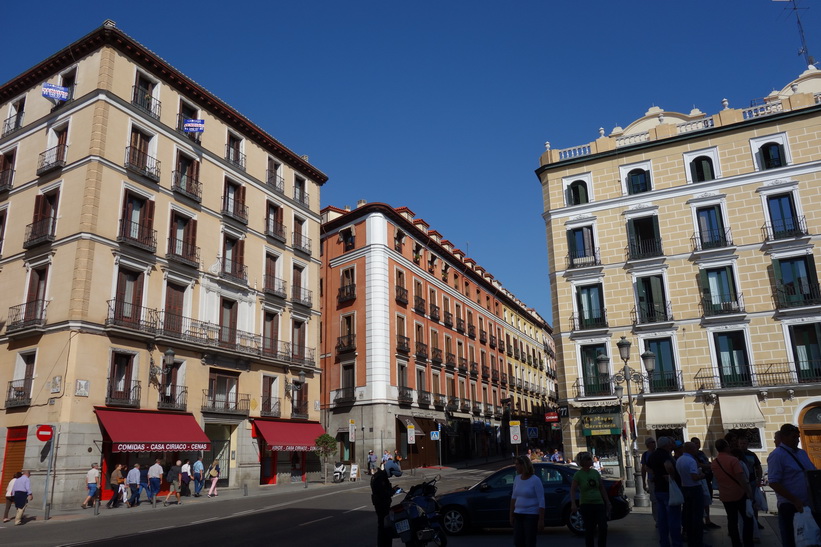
214	473
594	502
733	491
526	504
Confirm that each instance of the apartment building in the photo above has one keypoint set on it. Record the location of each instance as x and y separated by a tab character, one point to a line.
158	271
694	237
419	341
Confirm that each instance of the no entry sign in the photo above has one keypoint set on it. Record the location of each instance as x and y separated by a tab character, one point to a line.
44	433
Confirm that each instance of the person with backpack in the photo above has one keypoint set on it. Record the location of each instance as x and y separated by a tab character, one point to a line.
381	494
174	479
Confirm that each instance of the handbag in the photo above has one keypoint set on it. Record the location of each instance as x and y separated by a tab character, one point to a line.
213	473
708	499
760	500
806	529
676	497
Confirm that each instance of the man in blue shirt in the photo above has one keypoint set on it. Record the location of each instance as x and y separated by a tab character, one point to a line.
22	495
199	476
786	467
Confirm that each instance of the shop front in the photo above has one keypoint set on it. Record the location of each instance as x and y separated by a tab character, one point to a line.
287	450
602	429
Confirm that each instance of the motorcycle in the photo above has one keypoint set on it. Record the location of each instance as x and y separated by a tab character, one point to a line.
339	472
415	519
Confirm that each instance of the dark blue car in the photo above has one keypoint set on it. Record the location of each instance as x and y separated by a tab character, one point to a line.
487	504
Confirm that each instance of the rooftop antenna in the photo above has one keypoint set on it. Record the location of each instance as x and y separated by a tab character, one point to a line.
810	60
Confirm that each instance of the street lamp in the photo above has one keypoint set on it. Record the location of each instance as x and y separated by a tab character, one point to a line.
295	386
627	376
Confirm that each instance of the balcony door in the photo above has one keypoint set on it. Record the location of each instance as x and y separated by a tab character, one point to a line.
122	369
36	298
733	362
174	302
644	237
664	378
45	215
711	227
270	333
782	216
298	340
138	217
170	386
796	281
718	289
128	303
590	302
806	348
228	323
594	383
652	299
222	390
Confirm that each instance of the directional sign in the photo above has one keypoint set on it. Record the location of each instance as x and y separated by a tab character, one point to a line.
434	435
411	434
532	432
45	433
515	432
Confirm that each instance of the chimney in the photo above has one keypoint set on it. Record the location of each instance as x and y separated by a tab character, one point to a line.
360	203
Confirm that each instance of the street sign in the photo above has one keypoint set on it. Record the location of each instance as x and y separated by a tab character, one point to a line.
411	434
45	433
532	432
434	435
515	432
352	431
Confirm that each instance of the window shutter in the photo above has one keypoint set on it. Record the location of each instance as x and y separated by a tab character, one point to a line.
240	252
148	216
39	202
138	295
777	272
656	233
191	234
705	285
242	195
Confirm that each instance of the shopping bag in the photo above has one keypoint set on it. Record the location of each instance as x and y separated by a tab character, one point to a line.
708	499
761	500
749	506
807	533
676	497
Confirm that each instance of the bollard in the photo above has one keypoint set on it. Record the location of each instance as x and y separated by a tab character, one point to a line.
48	510
306	481
96	506
245	490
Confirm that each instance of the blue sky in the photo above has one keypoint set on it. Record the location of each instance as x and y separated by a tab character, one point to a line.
444	106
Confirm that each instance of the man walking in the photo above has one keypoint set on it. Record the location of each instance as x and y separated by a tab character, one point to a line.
92	483
664	472
691	476
381	494
199	476
786	471
371	462
174	479
647	473
133	482
155	478
22	495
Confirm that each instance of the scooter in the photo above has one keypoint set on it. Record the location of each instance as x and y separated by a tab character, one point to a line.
339	472
416	518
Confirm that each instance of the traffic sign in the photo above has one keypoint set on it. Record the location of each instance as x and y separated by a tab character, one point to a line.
411	434
532	432
44	433
515	432
434	435
352	431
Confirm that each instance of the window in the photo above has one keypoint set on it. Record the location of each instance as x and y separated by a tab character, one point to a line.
6	170
270	334
594	383
652	300
299	293
68	79
665	377
711	231
784	220
300	192
137	223
772	155
348	238
420	379
348	380
644	240
233	259
35	308
55	155
2	228
223	390
398	240
20	388
274	175
806	351
228	322
638	181
274	227
347	329
301	241
15	119
402	341
402	375
121	387
129	297
719	295
144	97
577	193
270	401
187	112
701	169
732	359
138	155
173	320
233	201
796	282
590	307
172	387
581	247
182	239
187	177
233	152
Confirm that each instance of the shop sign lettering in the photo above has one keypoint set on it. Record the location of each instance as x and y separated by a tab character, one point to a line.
159	447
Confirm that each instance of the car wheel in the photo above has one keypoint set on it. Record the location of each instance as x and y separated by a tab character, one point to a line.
575	522
454	521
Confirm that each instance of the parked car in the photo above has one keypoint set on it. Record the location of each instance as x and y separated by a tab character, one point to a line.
487	504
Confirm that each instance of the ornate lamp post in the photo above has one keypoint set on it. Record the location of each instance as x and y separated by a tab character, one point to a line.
628	376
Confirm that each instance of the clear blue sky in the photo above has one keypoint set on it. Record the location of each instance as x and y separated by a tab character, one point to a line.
444	105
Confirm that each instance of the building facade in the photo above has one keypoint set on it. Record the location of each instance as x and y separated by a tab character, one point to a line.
695	238
419	338
158	274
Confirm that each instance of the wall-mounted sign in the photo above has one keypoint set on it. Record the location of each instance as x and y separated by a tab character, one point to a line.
193	126
515	432
601	424
51	91
563	411
551	416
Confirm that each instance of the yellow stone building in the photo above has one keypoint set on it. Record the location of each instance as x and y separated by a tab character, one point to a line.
157	272
695	237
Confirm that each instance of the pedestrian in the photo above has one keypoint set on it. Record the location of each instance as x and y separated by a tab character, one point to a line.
145	485
92	483
557	457
704	464
385	457
22	495
664	472
787	466
756	478
597	464
693	511
381	494
185	478
10	496
133	482
733	491
173	478
199	476
371	462
594	503
526	504
115	480
397	457
214	473
155	478
647	473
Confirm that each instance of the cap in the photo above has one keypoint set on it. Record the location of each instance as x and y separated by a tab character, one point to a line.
370	451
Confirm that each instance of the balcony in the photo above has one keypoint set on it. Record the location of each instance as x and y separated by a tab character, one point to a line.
226	403
275	181
501	345
450	361
503	378
303	356
421	351
401	294
448	319
234	156
131	317
30	315
300	295
706	240
173	397
516	353
463	365
436	355
597	386
518	383
187	186
593	319
141	163
233	271
652	313
476	407
474	369
440	400
302	197
786	228
299	410
276	230
665	381
346	293
510	350
492	341
452	403
464	405
423	398
722	304
472	331
485	372
494	376
434	312
123	393
301	243
483	336
346	343
233	208
800	294
405	395
761	375
270	407
419	304
583	258
402	343
275	286
276	349
345	395
639	249
195	136
6	176
460	325
52	159
13	123
183	252
39	232
142	99
140	235
19	393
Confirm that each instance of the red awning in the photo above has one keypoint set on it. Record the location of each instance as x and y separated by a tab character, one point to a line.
289	436
141	431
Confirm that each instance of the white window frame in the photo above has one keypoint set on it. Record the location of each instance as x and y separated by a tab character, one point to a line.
587	178
711	153
757	142
646	165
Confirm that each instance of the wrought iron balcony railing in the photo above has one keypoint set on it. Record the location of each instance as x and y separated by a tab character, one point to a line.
226	402
595	386
233	208
798	294
402	343
463	365
665	381
275	286
299	410
275	181
137	234
419	304
760	375
492	342
785	228
501	345
722	304
6	176
276	230
173	397
450	360
187	185
270	407
234	156
39	232
123	393
302	243
483	336
423	397
434	312
472	331
13	123
448	319
345	395
494	375
652	313
346	343
583	258
460	324
302	197
436	355
233	270
131	316
711	239
301	295
590	319
474	369
346	293
485	371
52	159
440	400
421	351
638	249
28	315
143	99
401	294
19	393
183	252
405	394
141	163
303	356
464	405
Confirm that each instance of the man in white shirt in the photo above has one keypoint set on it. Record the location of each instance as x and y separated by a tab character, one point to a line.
691	477
93	483
155	478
